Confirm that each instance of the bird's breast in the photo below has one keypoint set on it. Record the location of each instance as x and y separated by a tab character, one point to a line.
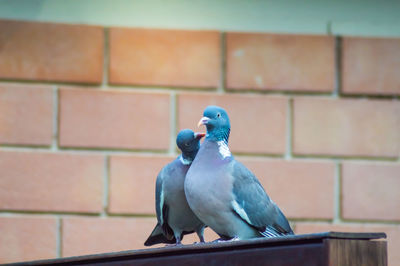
207	189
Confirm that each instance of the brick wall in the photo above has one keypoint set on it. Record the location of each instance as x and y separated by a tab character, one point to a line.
89	115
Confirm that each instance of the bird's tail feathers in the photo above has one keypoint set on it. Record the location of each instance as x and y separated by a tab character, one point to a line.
273	231
157	237
282	224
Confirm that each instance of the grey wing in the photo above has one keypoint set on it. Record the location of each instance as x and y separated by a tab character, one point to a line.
254	206
159	196
162	207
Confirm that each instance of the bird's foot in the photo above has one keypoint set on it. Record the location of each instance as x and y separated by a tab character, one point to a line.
174	245
201	239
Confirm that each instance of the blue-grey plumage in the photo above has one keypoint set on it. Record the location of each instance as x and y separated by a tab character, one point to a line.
224	194
174	216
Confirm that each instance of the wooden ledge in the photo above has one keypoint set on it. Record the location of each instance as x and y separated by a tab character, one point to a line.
309	249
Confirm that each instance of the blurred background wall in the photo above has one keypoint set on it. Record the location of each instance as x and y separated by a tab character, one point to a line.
93	93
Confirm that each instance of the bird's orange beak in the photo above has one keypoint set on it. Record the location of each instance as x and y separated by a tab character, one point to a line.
203	121
199	135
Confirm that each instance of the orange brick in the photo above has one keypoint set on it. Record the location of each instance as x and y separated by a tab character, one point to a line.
46	51
27	238
165	57
371	66
26	115
51	182
114	119
258	123
280	62
392	231
133	182
346	127
302	189
371	191
98	235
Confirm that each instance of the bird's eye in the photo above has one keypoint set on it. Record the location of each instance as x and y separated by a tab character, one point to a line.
218	115
187	144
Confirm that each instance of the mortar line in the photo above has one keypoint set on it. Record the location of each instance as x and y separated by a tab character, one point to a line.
22	214
106	59
78	150
308	220
155	89
19	213
173	123
54	143
397	100
59	237
338	71
345	222
289	129
221	87
106	185
61	215
337	194
100	151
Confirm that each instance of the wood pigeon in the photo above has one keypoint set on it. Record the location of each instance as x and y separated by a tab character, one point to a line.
174	216
224	194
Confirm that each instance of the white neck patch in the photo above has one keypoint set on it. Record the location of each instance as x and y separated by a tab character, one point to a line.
223	149
184	161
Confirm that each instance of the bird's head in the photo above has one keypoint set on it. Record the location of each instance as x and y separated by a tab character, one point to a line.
189	143
217	123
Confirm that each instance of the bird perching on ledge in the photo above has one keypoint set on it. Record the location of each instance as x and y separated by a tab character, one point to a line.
174	216
224	194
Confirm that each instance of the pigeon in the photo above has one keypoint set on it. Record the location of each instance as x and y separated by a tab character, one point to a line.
174	216
224	194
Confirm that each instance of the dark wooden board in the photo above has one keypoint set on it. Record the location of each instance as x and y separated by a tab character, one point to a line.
307	249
